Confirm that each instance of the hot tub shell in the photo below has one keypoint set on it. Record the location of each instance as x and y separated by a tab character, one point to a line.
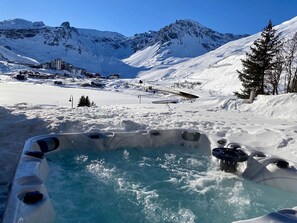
32	169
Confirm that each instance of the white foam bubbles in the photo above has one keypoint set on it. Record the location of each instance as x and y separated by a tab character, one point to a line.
80	159
125	154
100	168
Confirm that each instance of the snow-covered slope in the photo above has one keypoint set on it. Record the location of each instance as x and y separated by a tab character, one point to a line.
20	24
7	54
182	39
170	55
103	52
216	70
269	124
88	49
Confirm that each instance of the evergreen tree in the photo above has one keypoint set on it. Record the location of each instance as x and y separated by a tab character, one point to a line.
259	63
87	102
82	101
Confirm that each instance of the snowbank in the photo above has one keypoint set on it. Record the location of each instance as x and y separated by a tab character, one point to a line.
272	106
269	124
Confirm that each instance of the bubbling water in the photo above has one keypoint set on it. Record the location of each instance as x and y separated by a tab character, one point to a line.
153	185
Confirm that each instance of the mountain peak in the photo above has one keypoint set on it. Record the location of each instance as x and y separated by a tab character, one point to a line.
20	24
187	27
187	22
66	24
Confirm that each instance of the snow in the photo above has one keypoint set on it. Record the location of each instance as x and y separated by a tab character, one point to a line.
97	33
43	94
106	52
39	107
215	69
20	24
253	125
11	56
80	47
29	109
144	58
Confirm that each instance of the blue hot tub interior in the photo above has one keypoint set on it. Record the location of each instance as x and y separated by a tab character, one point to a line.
162	175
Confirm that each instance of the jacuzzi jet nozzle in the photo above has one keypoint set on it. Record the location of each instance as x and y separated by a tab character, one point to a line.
228	166
229	157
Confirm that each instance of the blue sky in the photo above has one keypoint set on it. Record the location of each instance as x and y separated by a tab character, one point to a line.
129	17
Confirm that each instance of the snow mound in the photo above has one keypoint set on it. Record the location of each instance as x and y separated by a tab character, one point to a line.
278	106
273	106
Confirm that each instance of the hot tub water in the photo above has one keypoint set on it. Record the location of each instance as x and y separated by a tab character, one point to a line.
168	184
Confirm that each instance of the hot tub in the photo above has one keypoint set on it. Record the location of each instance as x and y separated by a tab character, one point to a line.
33	199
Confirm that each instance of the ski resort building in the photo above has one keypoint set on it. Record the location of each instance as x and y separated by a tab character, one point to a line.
59	64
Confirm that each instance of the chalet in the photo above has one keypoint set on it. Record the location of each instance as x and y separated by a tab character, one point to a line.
113	76
58	82
98	84
93	75
20	77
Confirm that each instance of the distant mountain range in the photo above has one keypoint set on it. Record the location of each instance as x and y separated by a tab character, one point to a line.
107	52
184	51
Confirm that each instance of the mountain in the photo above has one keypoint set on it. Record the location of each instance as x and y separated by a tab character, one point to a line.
20	24
190	39
89	49
182	39
163	55
217	69
108	52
